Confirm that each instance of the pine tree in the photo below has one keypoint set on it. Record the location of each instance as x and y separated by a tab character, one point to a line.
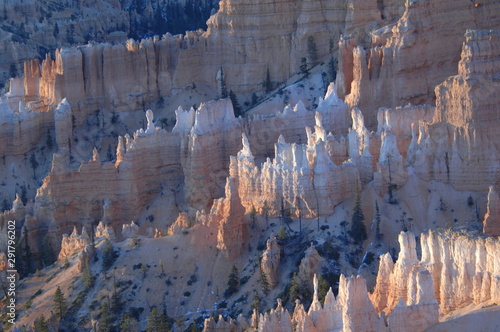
294	288
256	301
59	304
87	277
48	142
127	323
268	84
312	50
223	87
108	255
27	252
332	66
105	319
264	284
236	105
323	288
157	322
303	67
358	228
377	222
56	30
109	153
34	164
233	282
116	303
41	324
282	236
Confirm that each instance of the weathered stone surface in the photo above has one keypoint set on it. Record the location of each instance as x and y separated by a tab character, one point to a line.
130	230
407	60
457	147
229	212
491	224
270	262
73	243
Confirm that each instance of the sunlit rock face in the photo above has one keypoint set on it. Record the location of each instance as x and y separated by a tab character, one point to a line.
407	60
458	146
241	38
491	224
409	295
451	266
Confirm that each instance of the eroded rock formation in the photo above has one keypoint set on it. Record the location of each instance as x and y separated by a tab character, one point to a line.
407	59
73	243
457	147
270	262
491	224
405	295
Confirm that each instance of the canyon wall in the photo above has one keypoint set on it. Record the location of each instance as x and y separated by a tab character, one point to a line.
405	61
410	295
458	147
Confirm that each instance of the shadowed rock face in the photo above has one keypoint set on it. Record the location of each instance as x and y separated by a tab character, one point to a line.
32	28
407	60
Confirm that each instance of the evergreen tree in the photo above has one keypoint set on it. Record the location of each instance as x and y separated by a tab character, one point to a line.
223	87
116	303
87	277
236	105
34	164
282	236
27	252
127	323
158	322
56	30
108	255
294	288
323	288
264	284
13	70
303	67
109	153
41	324
256	301
332	65
105	319
312	51
233	282
48	142
59	304
377	222
358	228
268	84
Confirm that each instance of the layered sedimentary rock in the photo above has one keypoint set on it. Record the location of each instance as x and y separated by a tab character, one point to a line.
73	243
407	60
113	193
20	128
491	223
270	262
229	212
301	176
451	266
458	146
242	36
208	136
